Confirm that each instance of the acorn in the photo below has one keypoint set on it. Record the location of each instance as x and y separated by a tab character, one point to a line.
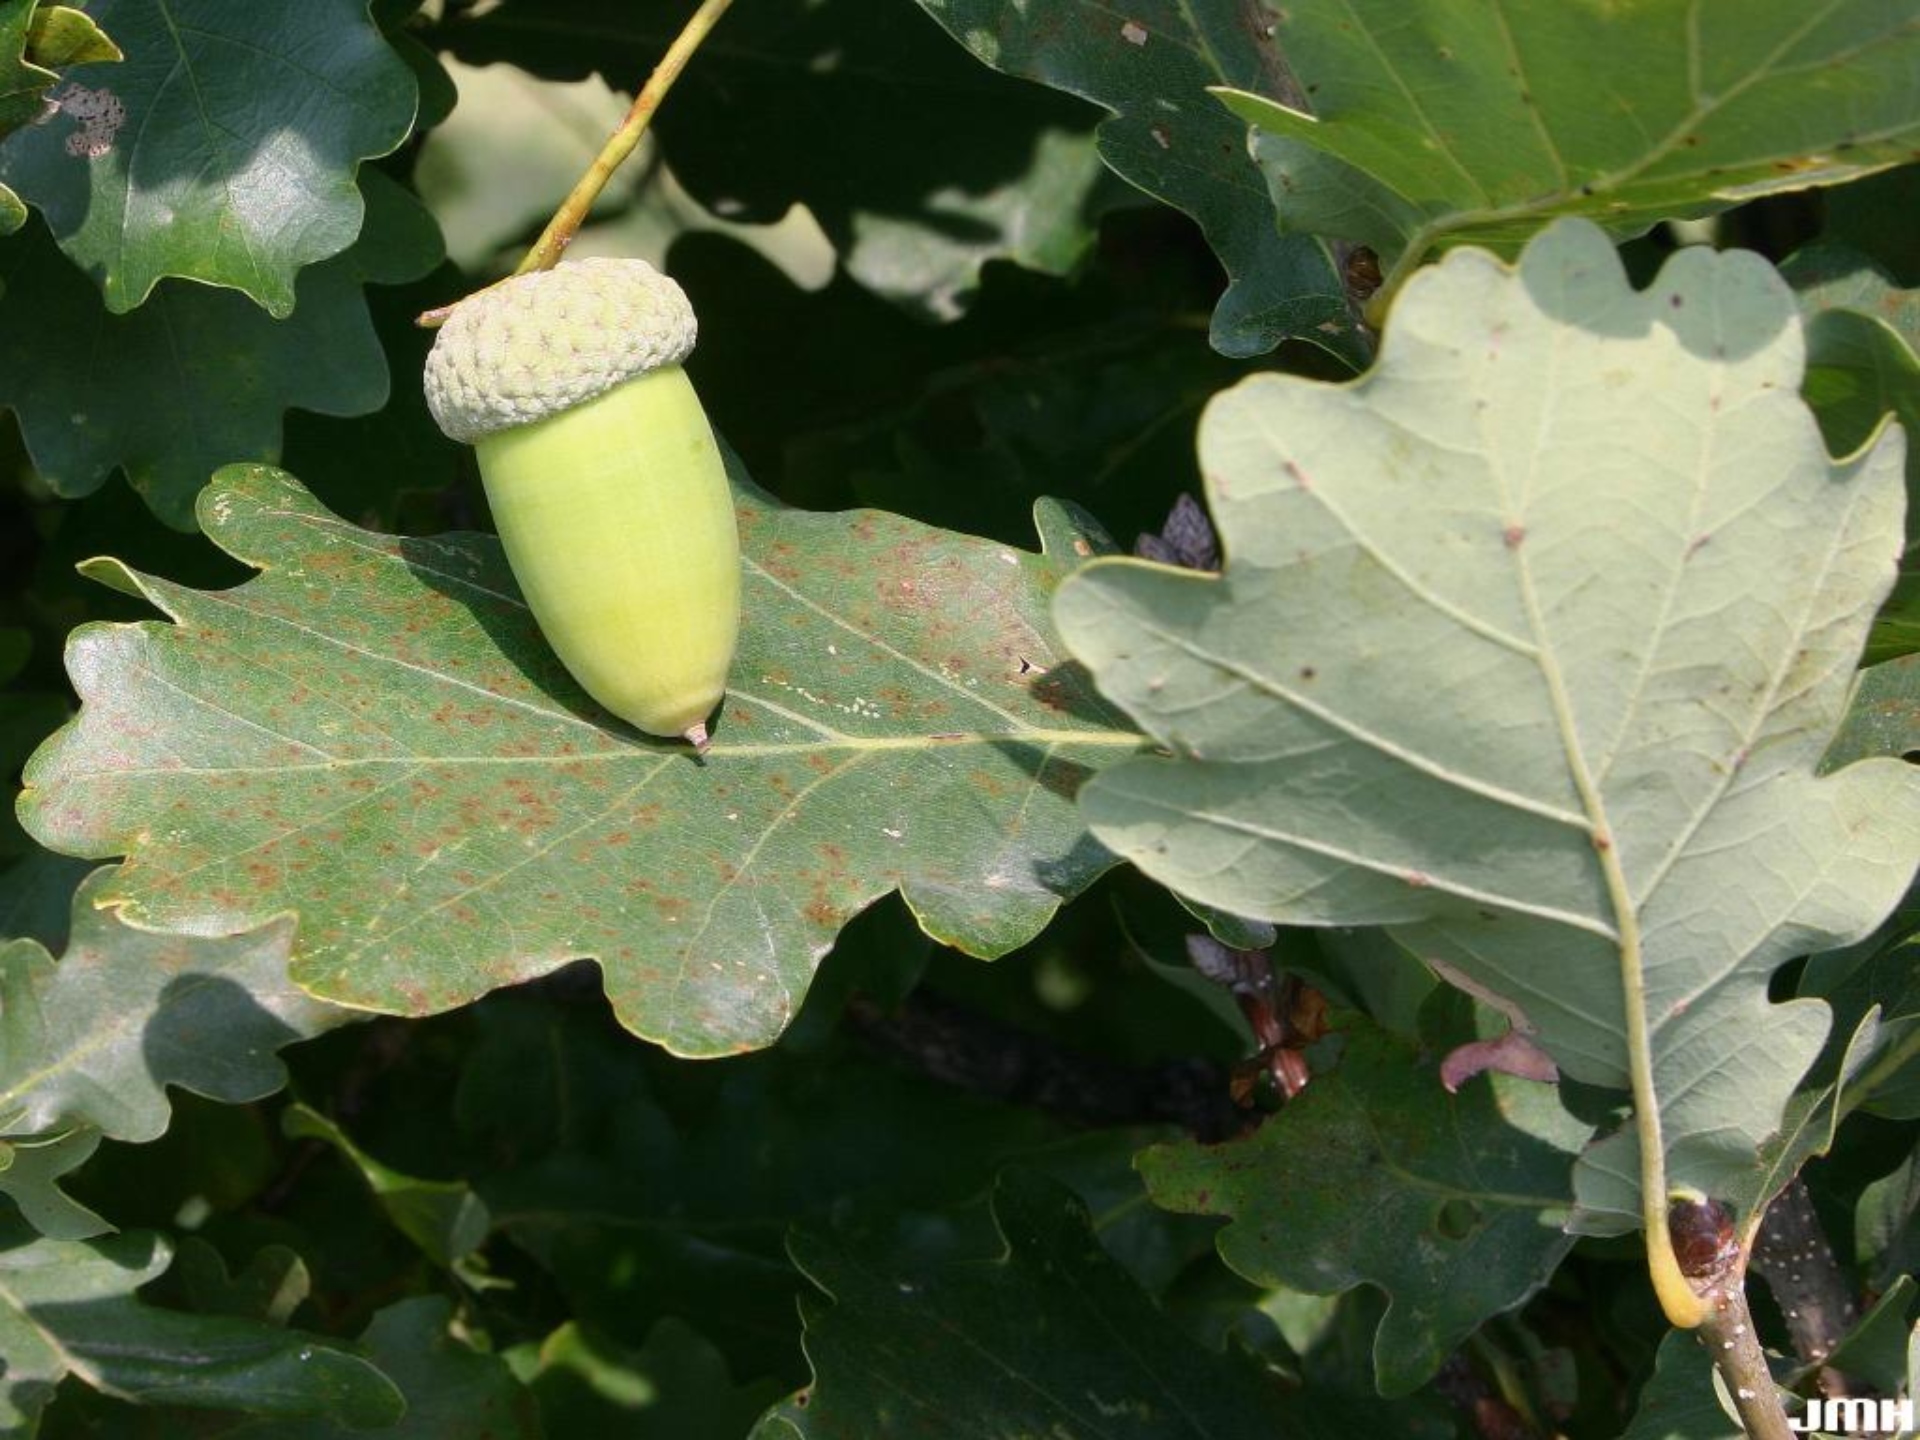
605	481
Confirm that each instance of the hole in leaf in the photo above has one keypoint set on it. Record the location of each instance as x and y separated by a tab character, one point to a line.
1459	1218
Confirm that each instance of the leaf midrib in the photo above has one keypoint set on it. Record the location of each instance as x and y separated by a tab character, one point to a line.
752	751
344	533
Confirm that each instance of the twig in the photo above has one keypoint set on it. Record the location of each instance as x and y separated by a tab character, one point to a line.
1727	1332
1792	1255
566	221
1710	1260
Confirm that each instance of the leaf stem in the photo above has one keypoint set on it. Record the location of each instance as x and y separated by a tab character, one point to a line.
1374	311
567	220
1679	1300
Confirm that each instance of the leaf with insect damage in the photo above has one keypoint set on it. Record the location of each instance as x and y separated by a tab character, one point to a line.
224	149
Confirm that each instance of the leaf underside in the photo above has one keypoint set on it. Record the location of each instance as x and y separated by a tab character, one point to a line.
1527	646
373	736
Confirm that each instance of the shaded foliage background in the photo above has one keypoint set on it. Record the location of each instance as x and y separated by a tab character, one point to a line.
523	1220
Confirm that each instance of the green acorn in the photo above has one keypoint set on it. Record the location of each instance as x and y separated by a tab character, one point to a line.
604	478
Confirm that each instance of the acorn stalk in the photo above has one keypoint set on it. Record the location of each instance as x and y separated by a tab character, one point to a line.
604	478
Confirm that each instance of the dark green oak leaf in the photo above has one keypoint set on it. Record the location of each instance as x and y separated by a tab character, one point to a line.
1861	333
199	377
1454	1205
452	1390
1051	1337
1151	65
373	735
1873	214
224	149
670	1194
89	1044
1886	1224
1427	125
68	1307
1678	1401
1875	1352
271	1286
401	22
1873	992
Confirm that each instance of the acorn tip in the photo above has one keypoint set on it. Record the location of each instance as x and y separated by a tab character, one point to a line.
697	737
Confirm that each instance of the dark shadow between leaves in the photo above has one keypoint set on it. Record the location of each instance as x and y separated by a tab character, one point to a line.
827	68
36	897
961	229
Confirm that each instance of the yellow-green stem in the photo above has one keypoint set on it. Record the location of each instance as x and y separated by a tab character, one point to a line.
567	220
1683	1305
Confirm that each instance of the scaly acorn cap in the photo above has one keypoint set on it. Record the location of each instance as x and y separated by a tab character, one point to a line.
546	341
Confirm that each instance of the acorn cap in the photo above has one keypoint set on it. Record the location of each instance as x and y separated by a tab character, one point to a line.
546	341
